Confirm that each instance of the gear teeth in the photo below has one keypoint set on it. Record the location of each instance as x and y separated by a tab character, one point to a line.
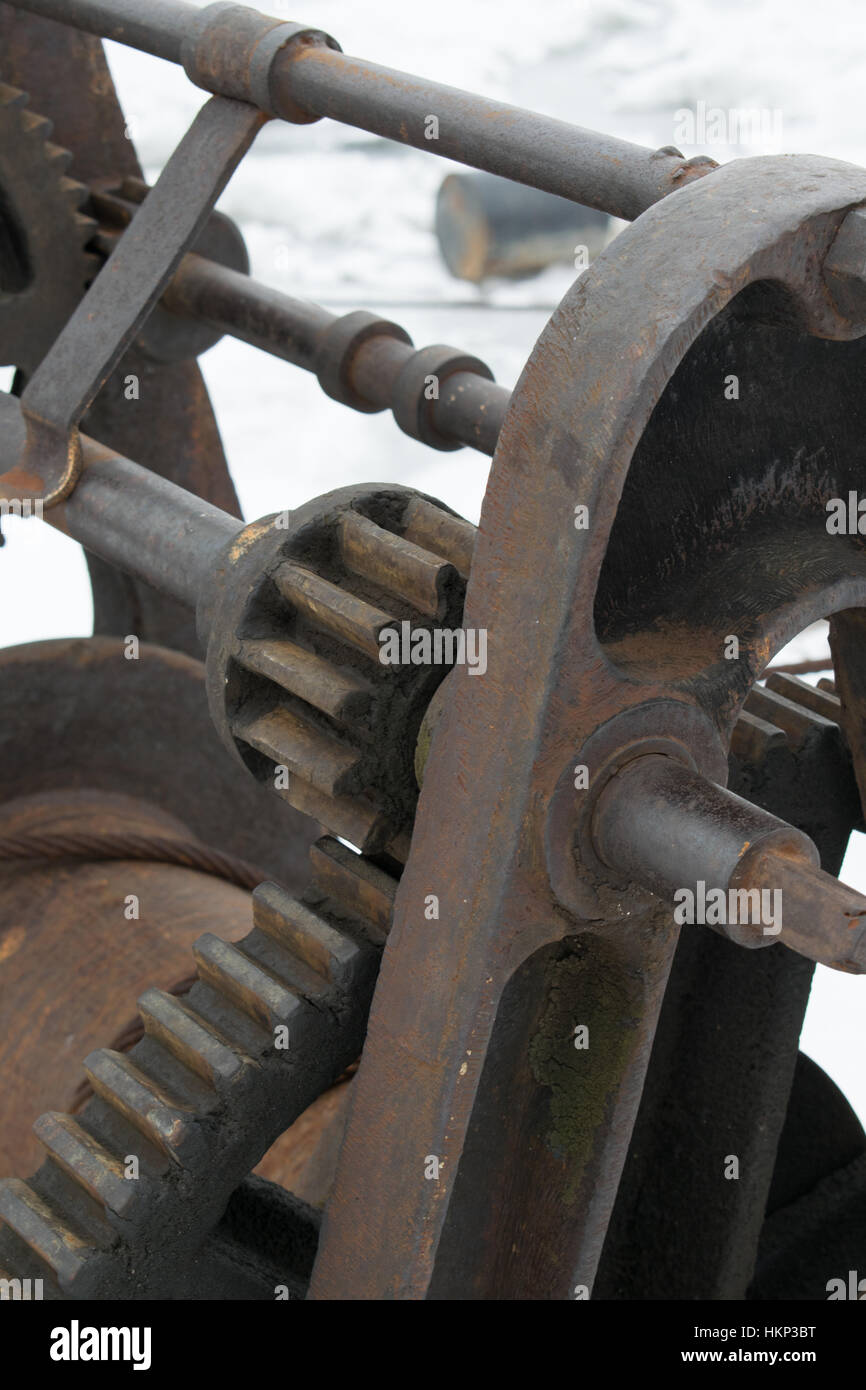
358	820
245	983
60	157
355	884
77	195
291	741
752	738
797	722
819	701
787	710
343	615
178	1028
188	1045
167	1123
396	565
297	928
441	533
342	695
315	691
33	123
111	210
43	1229
87	226
62	269
12	97
399	847
91	1165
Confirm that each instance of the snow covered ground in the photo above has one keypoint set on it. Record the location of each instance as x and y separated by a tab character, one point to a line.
333	215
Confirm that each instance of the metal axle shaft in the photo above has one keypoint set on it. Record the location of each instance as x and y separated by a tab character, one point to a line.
674	831
598	170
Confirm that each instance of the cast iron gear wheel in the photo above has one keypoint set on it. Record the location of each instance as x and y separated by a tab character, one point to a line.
274	1020
131	1198
199	1099
45	266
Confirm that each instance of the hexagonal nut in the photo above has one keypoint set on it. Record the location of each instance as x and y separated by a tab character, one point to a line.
845	266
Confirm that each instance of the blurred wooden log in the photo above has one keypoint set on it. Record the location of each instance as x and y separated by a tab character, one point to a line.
490	226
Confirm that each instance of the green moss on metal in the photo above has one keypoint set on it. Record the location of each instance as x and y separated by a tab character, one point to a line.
586	987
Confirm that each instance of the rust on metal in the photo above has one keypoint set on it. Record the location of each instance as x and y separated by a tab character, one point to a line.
444	857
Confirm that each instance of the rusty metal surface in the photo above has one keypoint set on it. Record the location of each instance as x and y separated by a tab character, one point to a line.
133	518
724	1077
294	675
46	267
73	976
88	701
488	1153
106	321
162	336
664	825
307	76
437	1050
198	1101
171	427
362	361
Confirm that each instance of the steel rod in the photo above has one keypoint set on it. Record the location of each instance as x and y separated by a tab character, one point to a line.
585	166
470	409
146	526
254	313
588	167
157	27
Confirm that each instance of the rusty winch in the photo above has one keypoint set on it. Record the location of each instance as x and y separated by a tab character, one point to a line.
528	796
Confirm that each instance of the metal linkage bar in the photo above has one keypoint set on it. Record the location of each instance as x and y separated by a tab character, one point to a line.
93	341
363	361
300	74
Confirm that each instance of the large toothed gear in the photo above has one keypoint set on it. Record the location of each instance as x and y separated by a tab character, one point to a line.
271	1022
45	266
